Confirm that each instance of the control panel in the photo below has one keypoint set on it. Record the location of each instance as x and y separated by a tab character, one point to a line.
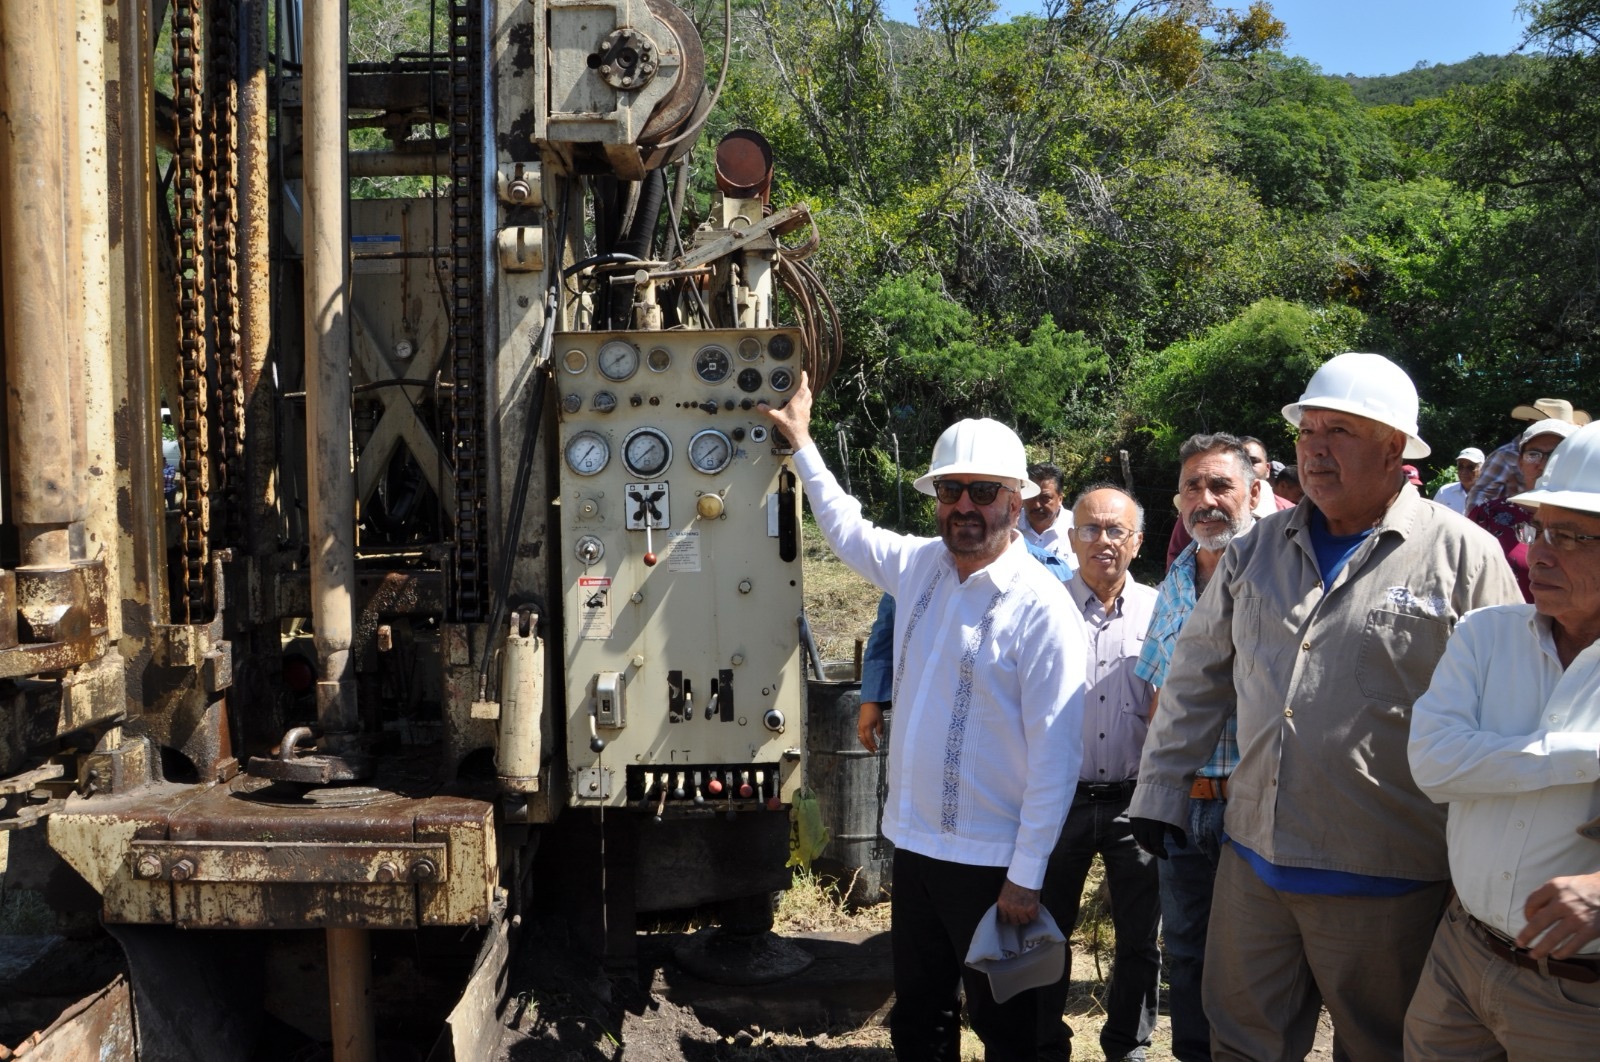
681	569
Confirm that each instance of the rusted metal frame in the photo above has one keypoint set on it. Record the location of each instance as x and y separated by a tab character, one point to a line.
255	296
222	62
328	395
469	448
134	273
193	341
399	422
268	862
32	216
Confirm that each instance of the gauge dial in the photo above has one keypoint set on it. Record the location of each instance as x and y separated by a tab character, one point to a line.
749	380
588	453
659	359
572	403
782	379
749	348
712	364
710	451
647	452
604	401
780	347
618	359
575	361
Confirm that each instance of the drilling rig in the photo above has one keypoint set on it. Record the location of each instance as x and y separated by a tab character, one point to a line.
383	569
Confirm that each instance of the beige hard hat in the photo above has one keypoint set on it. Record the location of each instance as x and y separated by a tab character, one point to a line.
1571	478
1365	385
979	447
1551	409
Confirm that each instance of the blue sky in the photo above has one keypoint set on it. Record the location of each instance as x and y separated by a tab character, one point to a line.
1365	37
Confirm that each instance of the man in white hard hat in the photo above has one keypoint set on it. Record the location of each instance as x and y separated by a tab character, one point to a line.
1507	735
1319	630
988	691
1498	477
1454	495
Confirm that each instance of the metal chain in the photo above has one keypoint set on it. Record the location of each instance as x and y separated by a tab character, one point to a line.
221	55
465	279
189	193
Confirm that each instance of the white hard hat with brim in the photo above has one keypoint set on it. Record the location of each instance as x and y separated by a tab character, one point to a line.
1571	477
1369	386
979	448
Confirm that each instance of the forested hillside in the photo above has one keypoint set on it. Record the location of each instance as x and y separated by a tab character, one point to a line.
1116	223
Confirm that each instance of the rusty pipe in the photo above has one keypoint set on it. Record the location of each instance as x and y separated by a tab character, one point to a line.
255	320
33	152
329	464
350	990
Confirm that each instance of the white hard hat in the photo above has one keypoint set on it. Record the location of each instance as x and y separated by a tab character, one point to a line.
979	447
1471	453
1366	385
1571	478
1552	426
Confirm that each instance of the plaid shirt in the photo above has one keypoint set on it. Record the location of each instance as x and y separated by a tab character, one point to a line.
1497	478
1175	599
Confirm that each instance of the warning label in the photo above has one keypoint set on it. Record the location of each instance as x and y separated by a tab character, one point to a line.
594	607
683	551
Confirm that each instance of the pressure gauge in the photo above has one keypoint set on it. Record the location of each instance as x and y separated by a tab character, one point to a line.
749	348
782	379
575	361
618	359
749	380
710	451
659	359
588	453
780	347
603	401
712	364
647	452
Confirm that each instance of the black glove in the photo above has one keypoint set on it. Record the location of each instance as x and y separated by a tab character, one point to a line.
1152	834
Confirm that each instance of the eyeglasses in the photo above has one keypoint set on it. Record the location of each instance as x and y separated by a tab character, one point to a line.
1554	537
982	492
1091	532
1536	457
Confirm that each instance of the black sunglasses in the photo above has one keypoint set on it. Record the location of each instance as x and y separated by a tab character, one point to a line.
982	492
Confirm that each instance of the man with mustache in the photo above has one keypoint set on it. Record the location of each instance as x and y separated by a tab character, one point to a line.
1217	491
1319	630
1109	527
988	690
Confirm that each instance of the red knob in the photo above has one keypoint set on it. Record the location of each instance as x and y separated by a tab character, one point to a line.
746	791
714	786
649	560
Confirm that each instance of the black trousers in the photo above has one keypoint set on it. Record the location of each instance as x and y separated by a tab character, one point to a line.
935	906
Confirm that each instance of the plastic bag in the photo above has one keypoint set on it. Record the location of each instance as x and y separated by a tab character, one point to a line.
807	835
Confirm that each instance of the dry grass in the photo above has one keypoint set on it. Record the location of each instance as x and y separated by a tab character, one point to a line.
839	603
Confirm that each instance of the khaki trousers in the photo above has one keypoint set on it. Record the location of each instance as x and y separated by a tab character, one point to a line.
1273	959
1473	1006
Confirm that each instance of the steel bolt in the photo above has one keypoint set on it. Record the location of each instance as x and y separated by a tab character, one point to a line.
386	872
182	870
148	867
423	870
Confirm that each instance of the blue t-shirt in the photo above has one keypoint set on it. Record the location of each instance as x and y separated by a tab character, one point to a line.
1333	551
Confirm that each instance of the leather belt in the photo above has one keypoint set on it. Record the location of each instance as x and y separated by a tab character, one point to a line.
1586	971
1097	792
1209	789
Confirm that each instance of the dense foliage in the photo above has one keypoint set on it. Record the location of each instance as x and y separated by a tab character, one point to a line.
1115	222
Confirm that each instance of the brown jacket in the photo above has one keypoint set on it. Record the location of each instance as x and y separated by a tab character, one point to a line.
1323	684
